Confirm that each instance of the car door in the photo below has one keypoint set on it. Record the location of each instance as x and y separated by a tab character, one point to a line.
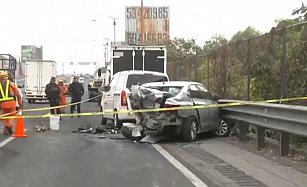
213	111
203	113
108	98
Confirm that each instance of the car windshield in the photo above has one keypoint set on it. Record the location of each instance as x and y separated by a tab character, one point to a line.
139	79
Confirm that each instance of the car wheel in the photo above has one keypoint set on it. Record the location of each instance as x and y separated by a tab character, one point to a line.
103	121
29	101
189	129
99	101
223	129
128	134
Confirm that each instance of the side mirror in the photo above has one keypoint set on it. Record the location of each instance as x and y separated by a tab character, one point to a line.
104	88
216	97
20	85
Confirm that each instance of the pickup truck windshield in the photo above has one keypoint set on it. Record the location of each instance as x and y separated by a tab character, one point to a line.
142	79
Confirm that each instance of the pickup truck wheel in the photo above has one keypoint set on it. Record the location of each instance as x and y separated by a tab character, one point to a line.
99	101
189	129
29	101
103	121
117	122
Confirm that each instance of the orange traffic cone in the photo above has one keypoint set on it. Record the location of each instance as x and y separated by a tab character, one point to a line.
19	131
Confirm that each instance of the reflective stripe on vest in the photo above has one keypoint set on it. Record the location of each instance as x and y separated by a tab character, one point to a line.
5	97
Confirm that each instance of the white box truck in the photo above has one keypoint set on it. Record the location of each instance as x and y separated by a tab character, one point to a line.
134	57
37	76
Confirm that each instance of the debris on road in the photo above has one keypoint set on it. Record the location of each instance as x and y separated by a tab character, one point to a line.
152	139
41	127
89	129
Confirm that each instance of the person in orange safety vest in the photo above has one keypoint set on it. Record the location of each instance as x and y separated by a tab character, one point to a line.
63	92
8	93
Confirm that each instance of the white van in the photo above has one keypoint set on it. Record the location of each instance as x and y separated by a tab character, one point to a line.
116	95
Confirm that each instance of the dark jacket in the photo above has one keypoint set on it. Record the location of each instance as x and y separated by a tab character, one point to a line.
76	90
52	91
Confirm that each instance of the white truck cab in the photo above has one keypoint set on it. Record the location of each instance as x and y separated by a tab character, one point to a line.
116	95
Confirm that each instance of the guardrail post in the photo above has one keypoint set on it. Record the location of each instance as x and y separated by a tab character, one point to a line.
260	137
243	127
284	143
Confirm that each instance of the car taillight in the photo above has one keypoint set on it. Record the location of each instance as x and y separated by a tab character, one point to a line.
158	100
123	98
172	107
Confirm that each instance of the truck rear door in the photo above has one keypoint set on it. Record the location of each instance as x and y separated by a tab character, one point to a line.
154	61
143	59
31	78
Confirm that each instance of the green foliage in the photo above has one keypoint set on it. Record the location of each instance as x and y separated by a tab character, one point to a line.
247	53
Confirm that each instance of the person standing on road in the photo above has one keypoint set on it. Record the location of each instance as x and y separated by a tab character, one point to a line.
53	94
8	93
63	92
76	91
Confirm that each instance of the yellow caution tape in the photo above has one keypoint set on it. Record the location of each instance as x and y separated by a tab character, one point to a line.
49	108
110	112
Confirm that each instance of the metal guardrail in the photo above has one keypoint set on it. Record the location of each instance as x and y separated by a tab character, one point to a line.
286	119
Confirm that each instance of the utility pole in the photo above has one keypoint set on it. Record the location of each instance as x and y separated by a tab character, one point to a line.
114	24
106	51
63	68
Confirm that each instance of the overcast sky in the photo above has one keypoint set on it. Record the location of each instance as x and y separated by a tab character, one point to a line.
67	32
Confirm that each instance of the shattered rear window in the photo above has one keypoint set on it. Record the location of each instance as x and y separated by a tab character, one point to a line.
173	90
140	79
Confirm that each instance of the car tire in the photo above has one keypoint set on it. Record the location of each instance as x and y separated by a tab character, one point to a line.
99	101
89	97
128	134
29	101
189	129
103	121
224	128
117	123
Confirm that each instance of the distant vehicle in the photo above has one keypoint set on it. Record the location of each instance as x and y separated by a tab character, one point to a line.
8	64
187	123
38	75
93	87
116	95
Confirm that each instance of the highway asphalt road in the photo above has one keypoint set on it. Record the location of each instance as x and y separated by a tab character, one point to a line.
63	158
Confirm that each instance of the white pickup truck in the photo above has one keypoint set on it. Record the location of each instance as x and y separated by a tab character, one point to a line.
116	95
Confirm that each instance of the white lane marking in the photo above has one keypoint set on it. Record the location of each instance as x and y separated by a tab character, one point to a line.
187	173
8	140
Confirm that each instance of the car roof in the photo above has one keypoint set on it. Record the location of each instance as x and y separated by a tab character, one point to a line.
170	83
140	72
